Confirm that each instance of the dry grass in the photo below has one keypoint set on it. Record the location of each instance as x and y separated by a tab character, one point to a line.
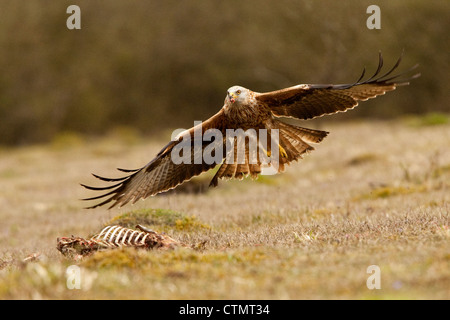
371	194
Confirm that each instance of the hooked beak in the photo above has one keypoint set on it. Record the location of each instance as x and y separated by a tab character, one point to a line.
232	97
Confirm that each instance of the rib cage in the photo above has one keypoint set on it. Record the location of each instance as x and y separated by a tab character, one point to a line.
116	236
112	237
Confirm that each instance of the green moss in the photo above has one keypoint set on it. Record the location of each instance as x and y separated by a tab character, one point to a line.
120	258
429	119
390	191
267	180
442	170
162	219
159	262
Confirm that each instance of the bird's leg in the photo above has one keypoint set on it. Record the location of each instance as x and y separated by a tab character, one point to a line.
283	152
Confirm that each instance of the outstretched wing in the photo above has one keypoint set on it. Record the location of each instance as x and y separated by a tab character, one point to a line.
307	101
160	174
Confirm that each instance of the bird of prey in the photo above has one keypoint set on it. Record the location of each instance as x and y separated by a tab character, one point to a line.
245	109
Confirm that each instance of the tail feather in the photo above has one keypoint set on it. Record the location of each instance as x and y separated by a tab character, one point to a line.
230	170
292	139
255	169
242	170
293	145
308	135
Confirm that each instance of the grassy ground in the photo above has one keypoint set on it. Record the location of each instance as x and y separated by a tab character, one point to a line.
373	193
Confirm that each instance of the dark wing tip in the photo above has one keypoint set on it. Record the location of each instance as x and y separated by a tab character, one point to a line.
380	66
113	190
387	77
128	170
102	203
100	188
109	179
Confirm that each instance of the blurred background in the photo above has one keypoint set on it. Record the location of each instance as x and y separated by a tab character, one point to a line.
154	66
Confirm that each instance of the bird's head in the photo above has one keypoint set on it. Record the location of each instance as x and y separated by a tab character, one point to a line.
237	95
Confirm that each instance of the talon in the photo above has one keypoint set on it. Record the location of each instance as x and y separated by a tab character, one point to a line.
268	153
282	152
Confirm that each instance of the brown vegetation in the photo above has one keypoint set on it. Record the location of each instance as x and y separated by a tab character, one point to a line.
308	233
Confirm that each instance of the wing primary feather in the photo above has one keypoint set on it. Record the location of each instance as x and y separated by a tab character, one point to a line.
380	65
166	147
393	68
128	170
110	179
404	82
345	86
117	186
102	203
101	188
358	82
102	195
380	79
401	74
361	77
121	203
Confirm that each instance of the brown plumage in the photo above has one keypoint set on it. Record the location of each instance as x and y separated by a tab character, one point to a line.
245	109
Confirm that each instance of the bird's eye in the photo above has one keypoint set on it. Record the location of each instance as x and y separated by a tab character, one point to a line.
238	92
